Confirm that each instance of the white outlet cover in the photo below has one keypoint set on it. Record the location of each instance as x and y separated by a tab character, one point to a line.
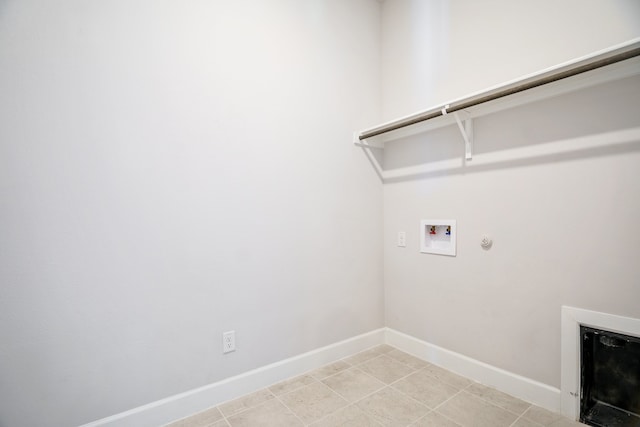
402	239
228	341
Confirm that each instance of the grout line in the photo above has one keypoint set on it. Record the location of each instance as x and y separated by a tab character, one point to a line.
377	354
344	407
406	364
421	418
226	417
374	377
406	376
338	393
314	380
512	412
515	422
340	408
349	367
444	416
448	399
355	401
294	389
333	412
498	406
412	398
434	375
287	407
308	373
441	414
348	403
522	416
371	394
291	410
422	403
356	366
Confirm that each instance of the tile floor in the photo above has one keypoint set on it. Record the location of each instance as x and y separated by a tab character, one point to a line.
381	386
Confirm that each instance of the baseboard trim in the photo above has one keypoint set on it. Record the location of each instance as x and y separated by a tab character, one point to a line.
516	385
184	404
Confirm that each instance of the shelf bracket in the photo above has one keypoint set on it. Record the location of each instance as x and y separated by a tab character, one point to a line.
466	130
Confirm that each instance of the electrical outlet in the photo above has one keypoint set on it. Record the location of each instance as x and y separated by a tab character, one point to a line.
228	341
402	239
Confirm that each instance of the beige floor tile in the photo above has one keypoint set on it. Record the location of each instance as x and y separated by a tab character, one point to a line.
313	402
245	402
270	414
541	415
386	369
471	411
386	387
353	384
291	384
219	423
389	407
363	356
201	419
426	389
565	422
434	419
523	422
383	348
561	422
447	376
499	398
407	359
328	370
351	416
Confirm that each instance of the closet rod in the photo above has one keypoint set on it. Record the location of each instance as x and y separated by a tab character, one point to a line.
600	60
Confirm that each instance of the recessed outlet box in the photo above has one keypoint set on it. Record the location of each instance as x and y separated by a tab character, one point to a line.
438	236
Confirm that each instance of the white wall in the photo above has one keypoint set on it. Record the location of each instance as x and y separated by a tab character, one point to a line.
438	50
172	170
555	183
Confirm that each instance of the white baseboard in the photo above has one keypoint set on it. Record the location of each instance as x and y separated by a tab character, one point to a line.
518	386
182	405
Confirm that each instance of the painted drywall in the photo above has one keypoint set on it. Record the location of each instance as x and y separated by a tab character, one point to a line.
555	183
172	170
439	50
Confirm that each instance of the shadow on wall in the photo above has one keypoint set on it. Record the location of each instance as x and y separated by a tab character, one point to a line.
598	121
614	148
